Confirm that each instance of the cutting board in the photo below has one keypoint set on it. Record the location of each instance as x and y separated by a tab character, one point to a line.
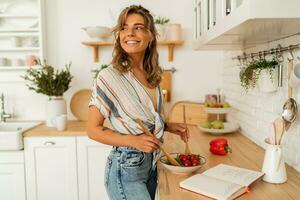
79	104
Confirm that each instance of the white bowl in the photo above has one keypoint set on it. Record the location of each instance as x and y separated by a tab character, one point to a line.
101	32
181	169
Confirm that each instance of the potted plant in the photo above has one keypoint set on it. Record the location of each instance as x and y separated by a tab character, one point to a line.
260	72
160	23
53	83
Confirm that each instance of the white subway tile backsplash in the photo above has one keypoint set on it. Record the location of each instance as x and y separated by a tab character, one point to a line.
254	110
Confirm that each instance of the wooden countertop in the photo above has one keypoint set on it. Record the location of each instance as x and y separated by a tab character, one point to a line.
245	154
74	128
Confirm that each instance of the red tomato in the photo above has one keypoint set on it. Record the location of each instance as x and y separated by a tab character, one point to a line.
195	162
187	163
182	157
194	157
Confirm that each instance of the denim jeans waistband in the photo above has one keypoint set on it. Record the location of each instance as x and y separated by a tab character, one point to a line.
124	148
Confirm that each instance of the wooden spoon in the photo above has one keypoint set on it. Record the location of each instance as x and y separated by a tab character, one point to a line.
147	132
279	129
187	148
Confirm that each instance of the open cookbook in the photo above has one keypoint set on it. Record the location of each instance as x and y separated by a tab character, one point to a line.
221	182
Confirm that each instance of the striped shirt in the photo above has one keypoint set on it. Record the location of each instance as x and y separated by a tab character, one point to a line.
121	98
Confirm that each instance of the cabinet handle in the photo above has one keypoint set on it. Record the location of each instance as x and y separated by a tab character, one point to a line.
49	143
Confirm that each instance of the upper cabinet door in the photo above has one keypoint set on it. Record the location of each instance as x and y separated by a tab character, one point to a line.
51	171
21	36
239	24
92	157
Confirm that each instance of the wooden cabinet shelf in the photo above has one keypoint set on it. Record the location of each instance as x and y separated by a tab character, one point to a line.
97	44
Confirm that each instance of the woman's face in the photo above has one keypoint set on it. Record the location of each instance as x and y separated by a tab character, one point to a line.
134	37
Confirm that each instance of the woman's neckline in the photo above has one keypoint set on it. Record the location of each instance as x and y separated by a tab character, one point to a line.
145	86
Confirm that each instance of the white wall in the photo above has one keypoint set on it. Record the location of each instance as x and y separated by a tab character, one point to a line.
199	72
255	111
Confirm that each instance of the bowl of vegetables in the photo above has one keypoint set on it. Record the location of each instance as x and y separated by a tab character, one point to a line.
188	163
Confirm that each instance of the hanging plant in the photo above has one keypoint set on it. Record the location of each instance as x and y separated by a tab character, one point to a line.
250	73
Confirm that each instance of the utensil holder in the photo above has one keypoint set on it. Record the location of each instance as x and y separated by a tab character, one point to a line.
273	164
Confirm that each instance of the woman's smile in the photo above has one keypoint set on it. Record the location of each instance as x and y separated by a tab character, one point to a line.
134	37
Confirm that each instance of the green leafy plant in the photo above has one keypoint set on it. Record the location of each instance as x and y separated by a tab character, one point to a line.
250	73
161	20
46	80
96	71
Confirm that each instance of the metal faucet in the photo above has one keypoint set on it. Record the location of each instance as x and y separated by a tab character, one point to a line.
3	115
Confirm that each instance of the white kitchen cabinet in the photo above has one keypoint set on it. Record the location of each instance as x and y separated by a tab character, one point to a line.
238	24
91	159
12	177
51	168
22	35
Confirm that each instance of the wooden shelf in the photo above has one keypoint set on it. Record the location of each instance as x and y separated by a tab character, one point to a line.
17	16
10	30
14	68
18	34
97	44
20	49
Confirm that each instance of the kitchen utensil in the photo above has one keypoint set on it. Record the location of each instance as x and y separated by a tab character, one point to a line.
273	164
147	132
294	79
280	75
279	129
289	113
181	169
79	104
187	148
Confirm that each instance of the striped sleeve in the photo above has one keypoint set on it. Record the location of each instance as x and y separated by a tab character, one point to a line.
99	97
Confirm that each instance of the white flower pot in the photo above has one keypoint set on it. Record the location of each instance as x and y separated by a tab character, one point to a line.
55	106
161	30
265	83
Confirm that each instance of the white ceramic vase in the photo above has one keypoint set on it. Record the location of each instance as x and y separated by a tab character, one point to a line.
265	83
55	106
173	32
161	30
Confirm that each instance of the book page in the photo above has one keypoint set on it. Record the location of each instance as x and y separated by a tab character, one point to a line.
234	174
211	187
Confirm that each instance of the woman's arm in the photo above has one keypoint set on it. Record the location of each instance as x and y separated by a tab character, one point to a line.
96	131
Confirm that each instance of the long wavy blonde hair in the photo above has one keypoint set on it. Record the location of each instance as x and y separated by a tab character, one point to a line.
122	61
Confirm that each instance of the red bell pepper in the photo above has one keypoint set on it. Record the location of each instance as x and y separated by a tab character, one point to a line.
219	146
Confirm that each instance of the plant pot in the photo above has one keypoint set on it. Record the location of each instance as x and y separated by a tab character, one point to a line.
161	30
173	32
266	83
55	106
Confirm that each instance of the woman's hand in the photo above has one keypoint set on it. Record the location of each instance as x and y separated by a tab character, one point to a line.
179	129
145	143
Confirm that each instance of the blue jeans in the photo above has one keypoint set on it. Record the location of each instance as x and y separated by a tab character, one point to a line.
129	175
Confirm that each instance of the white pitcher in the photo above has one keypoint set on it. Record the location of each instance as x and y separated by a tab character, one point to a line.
273	165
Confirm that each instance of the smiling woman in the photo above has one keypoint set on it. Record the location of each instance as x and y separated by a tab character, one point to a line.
127	90
134	37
